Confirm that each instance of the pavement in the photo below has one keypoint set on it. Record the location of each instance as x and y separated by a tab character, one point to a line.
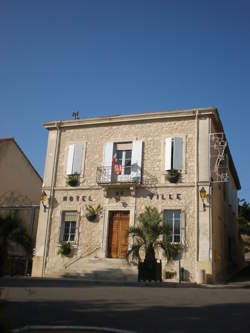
98	306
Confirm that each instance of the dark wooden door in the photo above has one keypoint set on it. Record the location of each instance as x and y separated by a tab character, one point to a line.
118	234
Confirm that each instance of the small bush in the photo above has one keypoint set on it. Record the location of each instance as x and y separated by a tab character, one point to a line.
173	176
73	180
64	249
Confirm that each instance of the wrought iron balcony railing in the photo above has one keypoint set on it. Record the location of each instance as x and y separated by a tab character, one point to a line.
118	174
127	175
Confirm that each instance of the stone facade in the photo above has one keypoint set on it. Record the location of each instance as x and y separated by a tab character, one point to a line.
199	234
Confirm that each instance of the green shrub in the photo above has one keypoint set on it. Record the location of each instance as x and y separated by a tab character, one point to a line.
64	249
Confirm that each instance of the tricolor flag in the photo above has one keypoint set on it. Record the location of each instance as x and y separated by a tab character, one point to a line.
114	159
117	167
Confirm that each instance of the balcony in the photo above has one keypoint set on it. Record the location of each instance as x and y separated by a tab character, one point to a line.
127	175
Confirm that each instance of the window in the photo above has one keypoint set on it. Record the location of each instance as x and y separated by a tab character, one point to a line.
122	158
173	220
69	231
69	226
122	162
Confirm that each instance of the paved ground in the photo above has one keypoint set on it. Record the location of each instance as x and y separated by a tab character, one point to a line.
141	308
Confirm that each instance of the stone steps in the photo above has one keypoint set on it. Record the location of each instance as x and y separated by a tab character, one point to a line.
104	269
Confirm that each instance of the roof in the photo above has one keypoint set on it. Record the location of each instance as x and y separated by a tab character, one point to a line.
147	116
11	139
135	117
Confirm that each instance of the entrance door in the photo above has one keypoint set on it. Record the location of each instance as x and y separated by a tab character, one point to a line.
118	234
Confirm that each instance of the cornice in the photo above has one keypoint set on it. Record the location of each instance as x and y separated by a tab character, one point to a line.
137	117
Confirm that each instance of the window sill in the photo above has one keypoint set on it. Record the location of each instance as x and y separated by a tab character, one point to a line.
181	172
73	244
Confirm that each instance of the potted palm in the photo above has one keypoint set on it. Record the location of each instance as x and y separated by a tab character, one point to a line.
149	236
73	180
92	213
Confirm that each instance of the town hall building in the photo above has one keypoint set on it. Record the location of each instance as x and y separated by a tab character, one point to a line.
101	173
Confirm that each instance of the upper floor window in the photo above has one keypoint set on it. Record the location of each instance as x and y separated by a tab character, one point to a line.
173	220
122	162
122	158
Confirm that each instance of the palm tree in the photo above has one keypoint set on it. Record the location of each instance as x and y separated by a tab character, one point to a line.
244	217
150	235
12	233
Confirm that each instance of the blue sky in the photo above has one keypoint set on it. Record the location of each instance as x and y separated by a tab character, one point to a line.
118	57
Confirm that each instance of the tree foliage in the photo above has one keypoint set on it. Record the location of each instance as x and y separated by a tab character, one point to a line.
244	217
12	233
150	235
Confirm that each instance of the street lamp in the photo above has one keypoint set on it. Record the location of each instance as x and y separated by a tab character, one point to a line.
43	198
203	195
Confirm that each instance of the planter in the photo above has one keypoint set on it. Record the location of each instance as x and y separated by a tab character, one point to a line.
64	249
91	218
92	213
73	180
150	271
173	176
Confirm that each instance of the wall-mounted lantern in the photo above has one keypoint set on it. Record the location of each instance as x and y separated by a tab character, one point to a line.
43	199
203	195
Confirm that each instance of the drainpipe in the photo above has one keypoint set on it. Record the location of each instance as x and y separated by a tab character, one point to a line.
196	184
51	197
210	255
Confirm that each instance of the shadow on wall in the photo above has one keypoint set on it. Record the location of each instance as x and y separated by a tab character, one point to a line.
12	198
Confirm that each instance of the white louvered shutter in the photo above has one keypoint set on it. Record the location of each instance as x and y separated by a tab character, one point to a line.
168	153
136	161
74	162
77	159
177	158
107	162
70	160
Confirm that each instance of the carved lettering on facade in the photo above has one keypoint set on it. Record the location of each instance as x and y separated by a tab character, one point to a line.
151	196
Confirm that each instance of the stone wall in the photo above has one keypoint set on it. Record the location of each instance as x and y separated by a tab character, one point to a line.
20	184
153	136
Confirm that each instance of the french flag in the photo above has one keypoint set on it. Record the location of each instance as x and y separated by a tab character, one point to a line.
114	159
